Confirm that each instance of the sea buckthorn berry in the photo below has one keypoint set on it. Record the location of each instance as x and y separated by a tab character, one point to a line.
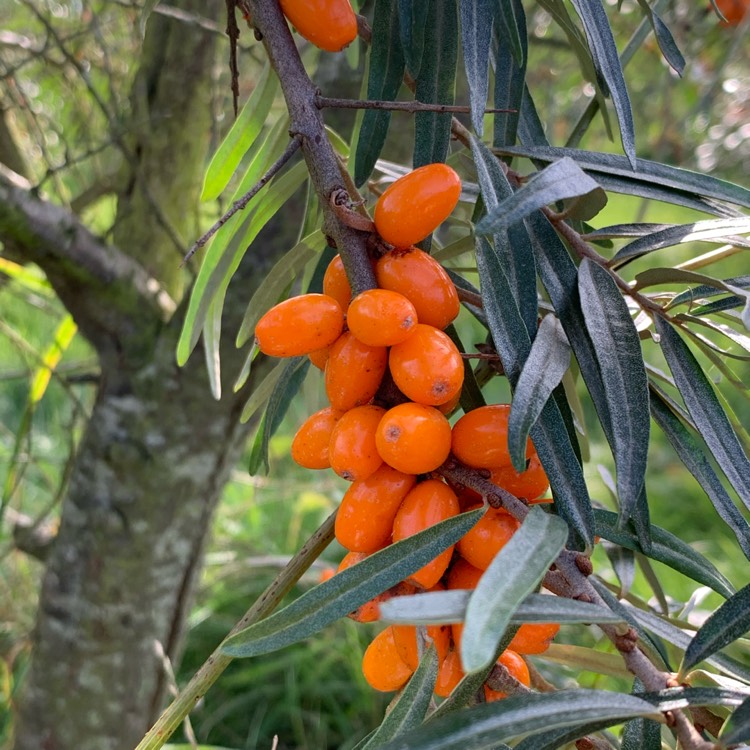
328	24
413	438
534	638
423	281
490	534
319	358
416	204
405	637
300	325
480	438
364	521
336	284
733	10
310	444
427	367
463	575
382	666
428	503
450	673
379	317
352	450
516	667
353	372
326	574
530	483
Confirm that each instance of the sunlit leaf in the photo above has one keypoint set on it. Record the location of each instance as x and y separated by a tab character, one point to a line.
61	340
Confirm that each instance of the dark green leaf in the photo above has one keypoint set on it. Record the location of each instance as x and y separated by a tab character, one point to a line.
561	737
705	409
513	574
664	37
436	81
665	548
622	561
413	22
695	183
530	127
671	699
737	728
618	351
509	86
709	290
477	17
641	734
692	455
543	370
608	68
412	704
728	623
486	725
385	74
562	179
348	590
471	393
511	27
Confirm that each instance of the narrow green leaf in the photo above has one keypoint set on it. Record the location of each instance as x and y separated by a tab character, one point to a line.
671	699
509	88
241	136
697	463
543	370
262	392
709	290
641	734
27	277
212	343
477	17
664	38
385	73
486	725
511	25
561	737
411	705
514	573
446	607
728	623
582	659
705	409
618	351
436	81
608	68
562	179
50	359
665	548
622	561
737	727
348	590
471	393
413	15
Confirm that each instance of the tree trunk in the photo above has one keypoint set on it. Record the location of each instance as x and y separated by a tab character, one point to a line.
158	449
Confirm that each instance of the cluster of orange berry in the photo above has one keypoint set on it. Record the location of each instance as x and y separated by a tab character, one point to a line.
394	334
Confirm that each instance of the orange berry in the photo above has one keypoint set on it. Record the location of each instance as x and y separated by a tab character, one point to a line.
733	10
300	325
491	533
480	438
428	503
352	450
516	667
423	281
416	204
450	406
328	24
379	317
450	674
534	638
405	637
326	574
319	358
530	483
463	575
382	666
336	284
310	444
413	438
427	367
364	521
354	372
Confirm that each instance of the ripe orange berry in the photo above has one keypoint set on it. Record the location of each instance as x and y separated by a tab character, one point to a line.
382	666
423	281
416	204
733	10
428	503
300	325
463	575
326	574
516	667
310	444
336	284
405	637
319	358
413	438
427	367
450	674
379	317
480	438
364	521
531	483
328	24
491	533
352	450
353	372
534	638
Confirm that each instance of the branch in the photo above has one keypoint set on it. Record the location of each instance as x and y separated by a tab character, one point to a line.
407	106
